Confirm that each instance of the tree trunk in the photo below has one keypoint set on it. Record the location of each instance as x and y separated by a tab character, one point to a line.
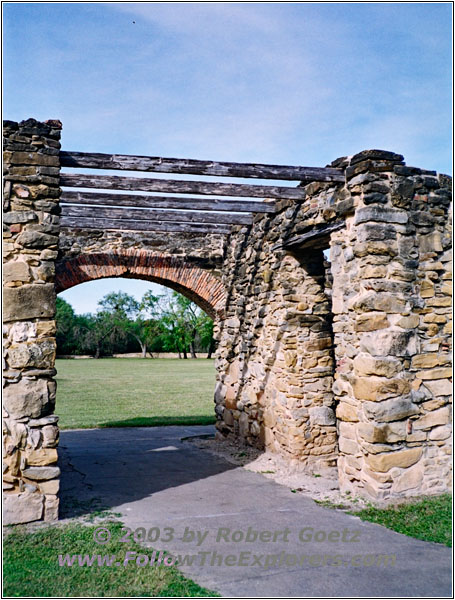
193	337
211	348
97	353
144	350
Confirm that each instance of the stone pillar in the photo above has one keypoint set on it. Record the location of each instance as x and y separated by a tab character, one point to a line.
30	237
390	304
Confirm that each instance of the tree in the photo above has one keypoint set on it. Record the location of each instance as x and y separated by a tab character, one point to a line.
66	320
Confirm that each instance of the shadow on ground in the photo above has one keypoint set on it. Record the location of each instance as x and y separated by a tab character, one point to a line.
101	470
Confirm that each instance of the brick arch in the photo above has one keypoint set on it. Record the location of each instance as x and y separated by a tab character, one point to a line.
195	283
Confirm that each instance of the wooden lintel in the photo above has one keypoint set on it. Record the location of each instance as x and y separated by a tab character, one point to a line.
315	238
130	225
143	201
150	215
142	184
199	167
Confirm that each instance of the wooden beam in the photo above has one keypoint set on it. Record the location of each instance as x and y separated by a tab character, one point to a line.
146	214
219	204
198	167
139	184
315	238
128	225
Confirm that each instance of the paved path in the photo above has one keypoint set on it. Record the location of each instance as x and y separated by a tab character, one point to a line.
154	480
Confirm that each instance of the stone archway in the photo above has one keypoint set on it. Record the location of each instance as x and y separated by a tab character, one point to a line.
197	284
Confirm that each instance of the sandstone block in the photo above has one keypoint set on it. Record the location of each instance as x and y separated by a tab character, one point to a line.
409	322
379	388
371	322
365	364
440	373
441	416
22	508
51	503
50	487
346	412
28	302
16	271
425	361
41	457
401	458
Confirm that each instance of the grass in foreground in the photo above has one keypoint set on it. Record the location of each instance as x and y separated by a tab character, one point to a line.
429	519
31	567
128	392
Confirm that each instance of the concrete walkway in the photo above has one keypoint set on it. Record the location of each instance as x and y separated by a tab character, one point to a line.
154	480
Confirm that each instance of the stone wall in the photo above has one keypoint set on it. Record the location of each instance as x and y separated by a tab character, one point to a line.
30	237
342	365
369	343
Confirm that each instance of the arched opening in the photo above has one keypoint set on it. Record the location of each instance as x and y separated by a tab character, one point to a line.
128	385
199	285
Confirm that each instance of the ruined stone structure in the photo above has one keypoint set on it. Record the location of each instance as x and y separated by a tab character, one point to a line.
342	364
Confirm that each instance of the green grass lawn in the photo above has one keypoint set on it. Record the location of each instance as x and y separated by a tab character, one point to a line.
428	519
31	566
116	392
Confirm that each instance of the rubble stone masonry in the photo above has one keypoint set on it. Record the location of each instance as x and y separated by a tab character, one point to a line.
341	364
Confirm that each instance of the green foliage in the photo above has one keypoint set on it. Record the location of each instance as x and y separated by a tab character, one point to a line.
168	322
428	519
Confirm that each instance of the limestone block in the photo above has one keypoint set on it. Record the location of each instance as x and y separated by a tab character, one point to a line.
36	239
41	473
348	446
394	409
322	415
390	343
51	503
409	322
410	479
378	301
22	508
39	354
375	433
23	331
26	398
401	458
28	302
441	416
440	433
243	425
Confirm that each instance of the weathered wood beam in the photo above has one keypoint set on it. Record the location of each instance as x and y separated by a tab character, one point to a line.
315	238
138	184
198	167
219	204
128	225
146	214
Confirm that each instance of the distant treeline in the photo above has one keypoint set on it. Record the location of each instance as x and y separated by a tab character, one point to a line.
163	323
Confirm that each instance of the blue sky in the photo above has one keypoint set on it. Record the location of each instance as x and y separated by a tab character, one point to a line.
290	83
